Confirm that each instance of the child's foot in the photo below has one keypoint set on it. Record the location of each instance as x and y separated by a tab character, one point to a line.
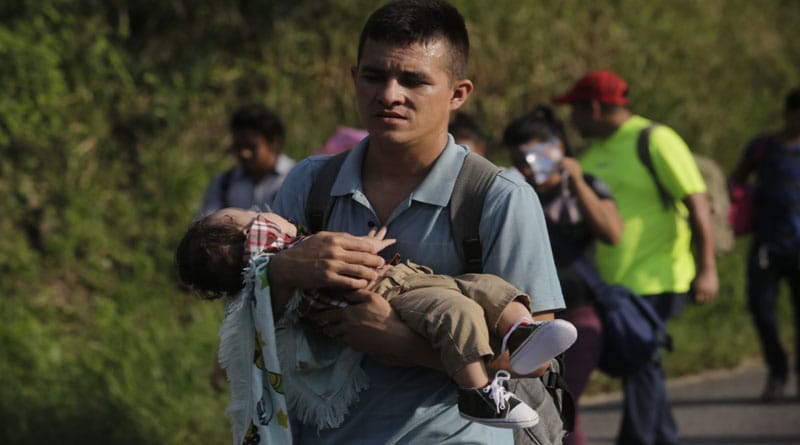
494	405
532	345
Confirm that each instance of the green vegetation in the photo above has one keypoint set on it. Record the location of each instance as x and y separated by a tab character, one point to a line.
113	118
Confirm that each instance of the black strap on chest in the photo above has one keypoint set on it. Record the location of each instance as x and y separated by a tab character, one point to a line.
320	202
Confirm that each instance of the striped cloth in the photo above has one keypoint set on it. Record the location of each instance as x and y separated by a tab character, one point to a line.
266	236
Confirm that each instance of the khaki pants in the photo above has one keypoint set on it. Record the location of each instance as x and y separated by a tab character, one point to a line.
456	314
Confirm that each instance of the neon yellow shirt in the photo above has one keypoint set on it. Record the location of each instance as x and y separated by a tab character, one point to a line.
654	254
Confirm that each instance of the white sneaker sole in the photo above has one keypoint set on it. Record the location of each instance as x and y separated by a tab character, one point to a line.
548	340
505	423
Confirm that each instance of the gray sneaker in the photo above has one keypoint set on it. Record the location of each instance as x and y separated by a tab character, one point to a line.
494	405
534	344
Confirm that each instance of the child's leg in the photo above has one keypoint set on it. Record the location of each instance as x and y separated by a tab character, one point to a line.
511	315
433	306
472	375
531	344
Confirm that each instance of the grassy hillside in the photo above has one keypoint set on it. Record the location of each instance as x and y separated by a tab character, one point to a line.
112	121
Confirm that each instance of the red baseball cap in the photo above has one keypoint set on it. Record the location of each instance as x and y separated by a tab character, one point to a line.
602	86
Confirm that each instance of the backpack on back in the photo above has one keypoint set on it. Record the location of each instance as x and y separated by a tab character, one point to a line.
716	186
718	200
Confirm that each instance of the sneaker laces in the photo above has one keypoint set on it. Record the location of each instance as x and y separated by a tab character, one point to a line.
497	390
523	320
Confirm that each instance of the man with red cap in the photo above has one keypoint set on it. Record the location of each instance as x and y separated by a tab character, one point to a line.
663	212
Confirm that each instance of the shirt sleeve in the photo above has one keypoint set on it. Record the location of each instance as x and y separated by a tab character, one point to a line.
516	244
674	164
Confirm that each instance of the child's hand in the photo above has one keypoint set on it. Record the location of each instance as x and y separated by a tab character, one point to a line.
376	238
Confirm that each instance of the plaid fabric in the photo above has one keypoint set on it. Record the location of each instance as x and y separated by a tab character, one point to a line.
313	301
265	236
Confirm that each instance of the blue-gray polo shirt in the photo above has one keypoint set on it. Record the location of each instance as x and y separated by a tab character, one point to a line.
418	405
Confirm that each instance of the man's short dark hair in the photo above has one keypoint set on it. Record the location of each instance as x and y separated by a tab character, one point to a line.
792	102
405	22
210	258
258	118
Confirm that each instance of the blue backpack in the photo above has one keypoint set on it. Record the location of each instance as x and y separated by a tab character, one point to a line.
632	331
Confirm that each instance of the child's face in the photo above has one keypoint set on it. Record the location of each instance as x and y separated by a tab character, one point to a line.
244	218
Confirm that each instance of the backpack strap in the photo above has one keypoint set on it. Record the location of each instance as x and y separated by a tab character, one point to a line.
466	206
643	150
320	202
556	385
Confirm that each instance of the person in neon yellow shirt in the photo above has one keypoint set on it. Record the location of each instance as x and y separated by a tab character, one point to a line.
654	257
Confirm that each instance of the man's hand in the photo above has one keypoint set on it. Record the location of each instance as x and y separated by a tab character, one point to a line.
705	286
323	260
370	325
326	259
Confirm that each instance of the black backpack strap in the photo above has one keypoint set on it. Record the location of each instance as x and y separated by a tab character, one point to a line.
643	150
320	202
466	206
556	385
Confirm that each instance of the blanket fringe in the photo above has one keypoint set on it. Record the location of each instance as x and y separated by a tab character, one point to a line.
236	347
323	414
307	406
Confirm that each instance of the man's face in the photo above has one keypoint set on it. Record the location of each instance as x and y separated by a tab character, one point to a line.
256	155
582	117
405	93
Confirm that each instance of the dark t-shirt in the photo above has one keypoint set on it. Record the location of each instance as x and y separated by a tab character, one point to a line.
574	231
777	193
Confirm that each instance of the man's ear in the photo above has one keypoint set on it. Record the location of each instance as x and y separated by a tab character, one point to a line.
461	91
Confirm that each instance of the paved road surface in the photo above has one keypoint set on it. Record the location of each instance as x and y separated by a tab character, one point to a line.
714	409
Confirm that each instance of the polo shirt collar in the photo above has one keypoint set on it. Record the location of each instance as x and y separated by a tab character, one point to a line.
435	189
